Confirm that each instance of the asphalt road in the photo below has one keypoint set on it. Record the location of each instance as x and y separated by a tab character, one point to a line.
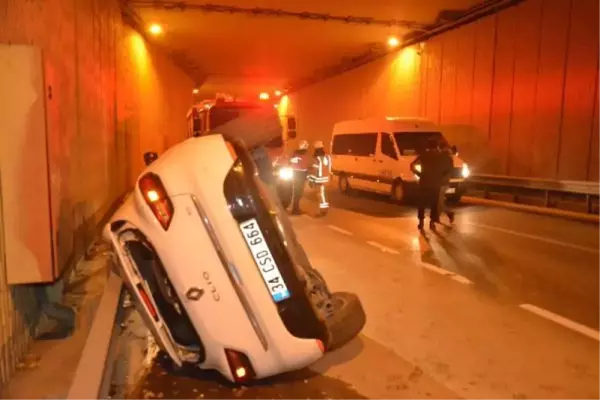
500	305
513	256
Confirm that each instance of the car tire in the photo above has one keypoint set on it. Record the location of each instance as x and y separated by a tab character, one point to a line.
398	193
344	184
453	200
347	320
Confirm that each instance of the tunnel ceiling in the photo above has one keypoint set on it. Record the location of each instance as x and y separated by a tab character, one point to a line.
246	46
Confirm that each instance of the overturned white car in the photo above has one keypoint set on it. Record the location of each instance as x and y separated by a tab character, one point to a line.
208	252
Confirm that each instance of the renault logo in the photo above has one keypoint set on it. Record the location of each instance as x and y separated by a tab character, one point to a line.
194	294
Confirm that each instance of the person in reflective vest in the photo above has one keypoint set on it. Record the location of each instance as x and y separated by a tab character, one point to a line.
319	174
299	163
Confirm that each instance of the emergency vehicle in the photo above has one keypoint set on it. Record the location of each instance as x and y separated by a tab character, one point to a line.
208	114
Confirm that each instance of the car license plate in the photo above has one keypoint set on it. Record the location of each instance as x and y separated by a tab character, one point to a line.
451	190
264	260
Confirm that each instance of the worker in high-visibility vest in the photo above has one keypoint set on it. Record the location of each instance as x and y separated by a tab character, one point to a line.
299	163
319	174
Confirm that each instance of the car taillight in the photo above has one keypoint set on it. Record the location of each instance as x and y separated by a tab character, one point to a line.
321	345
155	195
240	366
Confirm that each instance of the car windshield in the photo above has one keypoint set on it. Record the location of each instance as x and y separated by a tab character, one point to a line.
410	143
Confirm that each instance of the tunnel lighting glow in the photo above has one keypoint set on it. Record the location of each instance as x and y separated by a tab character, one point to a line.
196	91
264	96
155	29
278	93
393	41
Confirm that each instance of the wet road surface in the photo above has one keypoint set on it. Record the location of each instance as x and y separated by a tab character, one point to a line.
447	313
518	257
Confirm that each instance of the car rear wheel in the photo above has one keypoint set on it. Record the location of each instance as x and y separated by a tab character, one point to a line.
347	319
343	312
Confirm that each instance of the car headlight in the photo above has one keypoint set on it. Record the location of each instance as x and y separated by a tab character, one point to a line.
466	172
418	169
286	173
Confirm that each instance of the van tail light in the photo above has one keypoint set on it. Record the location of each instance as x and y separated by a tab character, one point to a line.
240	366
155	195
147	302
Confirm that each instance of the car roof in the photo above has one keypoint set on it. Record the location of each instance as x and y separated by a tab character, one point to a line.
382	124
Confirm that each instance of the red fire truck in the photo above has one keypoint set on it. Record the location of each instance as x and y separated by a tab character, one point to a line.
208	115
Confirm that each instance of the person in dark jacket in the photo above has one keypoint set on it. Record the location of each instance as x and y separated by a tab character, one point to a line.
448	163
431	170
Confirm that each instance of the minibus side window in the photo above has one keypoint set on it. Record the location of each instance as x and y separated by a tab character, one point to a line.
359	144
364	144
387	146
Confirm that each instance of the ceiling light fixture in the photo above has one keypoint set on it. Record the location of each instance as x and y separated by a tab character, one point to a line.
278	93
393	41
196	91
155	29
264	96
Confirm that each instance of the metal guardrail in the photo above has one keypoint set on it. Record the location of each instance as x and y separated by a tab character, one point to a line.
587	191
94	371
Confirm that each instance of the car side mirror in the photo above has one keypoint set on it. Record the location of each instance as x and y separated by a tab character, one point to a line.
454	150
150	157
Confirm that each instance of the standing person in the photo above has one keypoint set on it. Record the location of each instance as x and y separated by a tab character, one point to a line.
447	161
319	174
428	167
299	162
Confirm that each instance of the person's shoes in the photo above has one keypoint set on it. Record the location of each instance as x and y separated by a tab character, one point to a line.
432	225
451	217
420	226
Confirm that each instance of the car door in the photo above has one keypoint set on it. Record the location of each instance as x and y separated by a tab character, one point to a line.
386	163
363	151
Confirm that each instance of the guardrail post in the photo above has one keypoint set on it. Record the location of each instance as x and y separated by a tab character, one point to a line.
547	198
588	200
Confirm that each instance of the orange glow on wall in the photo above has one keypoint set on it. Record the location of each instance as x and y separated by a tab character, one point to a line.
408	57
283	106
139	51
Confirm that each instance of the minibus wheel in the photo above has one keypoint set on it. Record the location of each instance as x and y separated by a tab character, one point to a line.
344	184
398	192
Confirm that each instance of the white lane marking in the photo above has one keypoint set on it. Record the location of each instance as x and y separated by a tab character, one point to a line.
383	248
461	279
438	270
340	230
536	237
567	323
445	272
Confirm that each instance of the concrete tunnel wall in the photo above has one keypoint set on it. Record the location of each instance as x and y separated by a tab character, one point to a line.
516	91
113	97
